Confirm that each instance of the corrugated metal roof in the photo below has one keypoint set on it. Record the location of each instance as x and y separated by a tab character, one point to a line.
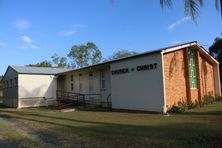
38	70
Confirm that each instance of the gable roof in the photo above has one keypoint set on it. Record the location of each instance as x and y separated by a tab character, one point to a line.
38	70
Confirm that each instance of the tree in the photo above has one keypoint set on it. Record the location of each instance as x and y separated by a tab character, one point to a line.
59	61
41	64
122	54
191	7
85	55
216	51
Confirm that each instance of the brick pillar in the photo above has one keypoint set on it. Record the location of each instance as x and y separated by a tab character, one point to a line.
187	74
198	74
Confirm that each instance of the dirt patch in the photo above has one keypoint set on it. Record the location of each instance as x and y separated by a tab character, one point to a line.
45	138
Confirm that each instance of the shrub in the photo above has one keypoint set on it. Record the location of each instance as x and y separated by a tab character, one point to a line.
191	104
176	109
208	99
179	108
182	106
218	98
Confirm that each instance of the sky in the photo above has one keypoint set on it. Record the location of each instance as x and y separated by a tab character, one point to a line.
33	30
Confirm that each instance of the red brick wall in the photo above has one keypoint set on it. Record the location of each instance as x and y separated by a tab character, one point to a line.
175	78
175	81
206	77
194	94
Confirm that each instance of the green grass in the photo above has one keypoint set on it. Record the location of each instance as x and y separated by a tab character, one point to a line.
200	127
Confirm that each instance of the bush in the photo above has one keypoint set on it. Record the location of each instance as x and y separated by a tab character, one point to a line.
176	109
218	98
179	108
182	106
208	99
191	104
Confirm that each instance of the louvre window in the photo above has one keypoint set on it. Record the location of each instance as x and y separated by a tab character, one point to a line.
11	82
102	80
72	87
71	78
16	82
192	68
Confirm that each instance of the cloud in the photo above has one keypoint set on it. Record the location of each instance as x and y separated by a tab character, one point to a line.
71	31
27	39
2	44
22	24
67	33
179	22
27	42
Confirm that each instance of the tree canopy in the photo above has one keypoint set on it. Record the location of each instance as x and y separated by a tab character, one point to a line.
216	49
44	63
122	54
81	56
85	55
60	62
57	61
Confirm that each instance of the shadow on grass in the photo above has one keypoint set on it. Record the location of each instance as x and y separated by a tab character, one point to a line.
168	134
118	135
106	134
211	113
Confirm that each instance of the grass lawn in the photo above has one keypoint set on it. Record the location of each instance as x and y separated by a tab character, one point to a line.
41	127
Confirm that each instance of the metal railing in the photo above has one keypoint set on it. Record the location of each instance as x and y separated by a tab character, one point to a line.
66	99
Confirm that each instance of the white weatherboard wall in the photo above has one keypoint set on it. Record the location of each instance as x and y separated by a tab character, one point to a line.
138	90
34	89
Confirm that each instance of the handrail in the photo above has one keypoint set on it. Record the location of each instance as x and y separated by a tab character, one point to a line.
65	97
62	91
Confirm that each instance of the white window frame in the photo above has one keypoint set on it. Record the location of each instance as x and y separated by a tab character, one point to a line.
102	80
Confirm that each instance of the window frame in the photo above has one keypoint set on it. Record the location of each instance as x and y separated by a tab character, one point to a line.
71	78
3	85
192	68
7	84
16	81
102	80
72	87
11	83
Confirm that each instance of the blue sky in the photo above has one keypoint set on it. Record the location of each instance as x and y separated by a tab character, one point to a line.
33	30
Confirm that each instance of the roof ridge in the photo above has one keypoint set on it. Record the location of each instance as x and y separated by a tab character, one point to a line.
39	67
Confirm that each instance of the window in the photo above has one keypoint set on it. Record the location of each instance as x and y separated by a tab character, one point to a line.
16	81
3	84
7	84
11	83
71	78
72	87
80	83
192	68
102	80
91	74
90	82
80	87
